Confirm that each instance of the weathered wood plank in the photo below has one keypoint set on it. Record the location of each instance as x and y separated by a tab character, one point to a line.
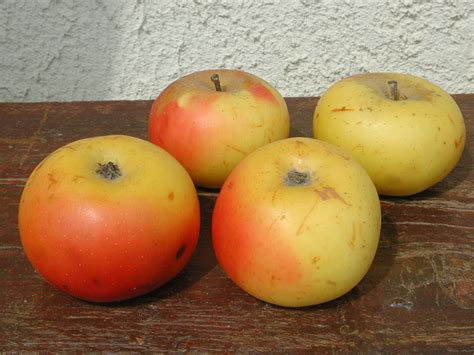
417	296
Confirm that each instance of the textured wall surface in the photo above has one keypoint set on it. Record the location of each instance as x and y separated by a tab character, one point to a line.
53	50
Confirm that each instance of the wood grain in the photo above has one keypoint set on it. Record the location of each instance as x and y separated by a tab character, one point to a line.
417	297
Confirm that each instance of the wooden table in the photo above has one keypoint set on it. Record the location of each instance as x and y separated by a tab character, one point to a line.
417	296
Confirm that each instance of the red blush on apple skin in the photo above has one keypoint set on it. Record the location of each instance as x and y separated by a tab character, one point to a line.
262	93
171	129
257	252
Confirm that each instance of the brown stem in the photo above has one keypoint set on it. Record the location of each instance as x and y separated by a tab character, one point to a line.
216	81
394	89
109	171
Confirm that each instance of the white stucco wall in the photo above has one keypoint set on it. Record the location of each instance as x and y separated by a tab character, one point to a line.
61	50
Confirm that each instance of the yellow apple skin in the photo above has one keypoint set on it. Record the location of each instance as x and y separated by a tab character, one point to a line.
209	132
406	145
297	245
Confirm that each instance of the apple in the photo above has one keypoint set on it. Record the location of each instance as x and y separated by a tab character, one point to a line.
210	120
296	223
404	130
109	218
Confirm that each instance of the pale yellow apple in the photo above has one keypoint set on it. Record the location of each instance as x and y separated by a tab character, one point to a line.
404	130
297	223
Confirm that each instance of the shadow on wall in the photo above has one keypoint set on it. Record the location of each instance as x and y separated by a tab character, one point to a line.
57	50
104	49
54	50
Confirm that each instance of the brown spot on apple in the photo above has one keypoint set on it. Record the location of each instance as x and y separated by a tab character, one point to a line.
171	196
330	282
342	109
236	149
457	142
300	228
96	282
76	177
230	185
353	238
329	193
316	259
180	251
52	180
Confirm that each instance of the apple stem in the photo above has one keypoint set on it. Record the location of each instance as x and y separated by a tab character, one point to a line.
297	178
109	171
216	81
394	89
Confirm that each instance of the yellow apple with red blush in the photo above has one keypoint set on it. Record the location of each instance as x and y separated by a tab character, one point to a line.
210	120
297	223
109	218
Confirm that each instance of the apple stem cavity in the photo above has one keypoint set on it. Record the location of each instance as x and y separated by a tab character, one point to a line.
217	83
394	92
109	171
297	178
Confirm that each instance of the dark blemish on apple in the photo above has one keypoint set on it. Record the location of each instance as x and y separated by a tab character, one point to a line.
230	185
342	109
444	142
52	180
330	282
439	128
171	196
274	196
457	142
77	177
316	259
236	149
328	192
96	282
370	109
353	238
180	251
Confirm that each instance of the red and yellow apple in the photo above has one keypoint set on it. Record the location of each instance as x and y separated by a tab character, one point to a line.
210	120
297	223
404	130
109	218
